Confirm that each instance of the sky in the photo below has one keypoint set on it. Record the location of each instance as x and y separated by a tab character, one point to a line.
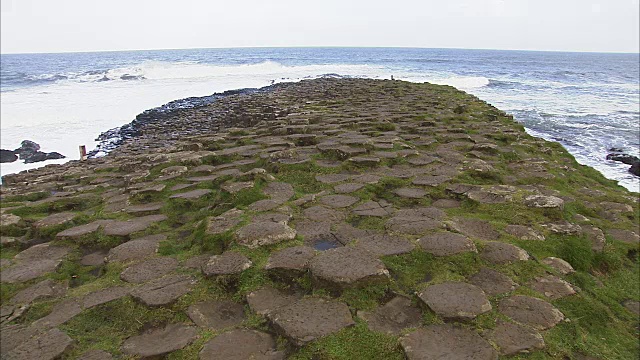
30	26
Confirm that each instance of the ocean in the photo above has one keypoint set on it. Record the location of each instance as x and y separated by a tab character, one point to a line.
589	102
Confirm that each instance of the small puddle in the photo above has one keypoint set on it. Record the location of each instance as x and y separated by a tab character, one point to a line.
325	243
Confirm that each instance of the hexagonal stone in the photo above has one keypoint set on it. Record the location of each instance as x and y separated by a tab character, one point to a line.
374	208
513	339
136	249
384	245
290	262
431	180
415	221
366	178
502	253
559	265
348	188
310	319
241	344
235	187
128	227
446	204
229	263
266	300
48	345
365	160
34	262
527	310
446	342
96	355
216	314
143	209
552	287
279	191
626	236
149	270
191	195
338	201
258	234
474	228
446	243
332	178
488	196
163	291
455	300
322	214
82	230
523	232
55	219
492	282
224	222
563	228
104	296
60	314
42	290
395	316
410	193
160	341
347	267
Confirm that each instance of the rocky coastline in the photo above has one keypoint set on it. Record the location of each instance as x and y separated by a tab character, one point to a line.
325	219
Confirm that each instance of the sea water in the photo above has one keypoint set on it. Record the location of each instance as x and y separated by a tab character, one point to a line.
589	102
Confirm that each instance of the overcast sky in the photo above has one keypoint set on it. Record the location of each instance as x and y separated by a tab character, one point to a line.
90	25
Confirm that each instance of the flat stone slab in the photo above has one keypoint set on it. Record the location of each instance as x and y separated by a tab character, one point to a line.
236	187
332	178
193	194
55	220
415	221
96	258
163	291
446	243
34	262
559	265
263	233
502	253
144	208
293	259
264	205
157	342
128	227
348	188
552	287
267	300
474	228
384	245
43	290
492	282
310	319
488	197
216	314
455	300
626	236
395	316
374	208
543	201
338	201
446	342
530	311
82	230
431	180
241	344
322	213
136	249
279	191
9	219
524	232
149	270
410	193
229	263
45	346
224	222
513	338
347	266
96	355
60	314
104	296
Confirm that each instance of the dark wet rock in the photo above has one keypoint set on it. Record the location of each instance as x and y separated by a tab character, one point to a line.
513	339
446	243
7	156
393	317
338	201
149	270
267	300
384	245
310	319
348	267
163	291
259	234
415	221
55	220
255	345
48	345
559	265
96	355
45	289
191	195
216	314
34	262
492	282
104	296
290	262
502	253
128	227
455	300
524	232
229	263
625	236
474	228
552	287
136	249
160	341
374	208
446	342
526	310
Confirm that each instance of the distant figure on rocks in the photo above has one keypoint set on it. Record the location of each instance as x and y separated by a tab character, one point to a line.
392	77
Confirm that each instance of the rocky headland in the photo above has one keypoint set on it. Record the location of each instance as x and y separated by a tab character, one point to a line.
326	219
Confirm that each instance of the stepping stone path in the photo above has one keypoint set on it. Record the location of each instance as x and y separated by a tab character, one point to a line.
348	267
311	318
82	230
217	314
446	342
321	213
455	300
530	311
241	344
33	263
149	270
446	243
163	291
502	253
512	339
492	282
157	342
395	316
348	188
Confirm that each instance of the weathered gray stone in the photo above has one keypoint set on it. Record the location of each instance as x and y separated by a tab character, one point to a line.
502	253
348	267
559	265
596	236
411	193
513	339
82	230
149	270
235	187
163	291
523	232
104	296
96	355
156	342
224	222
474	228
48	345
446	243
60	314
542	201
374	208
279	192
446	342
229	263
348	188
254	345
332	178
552	287
338	201
415	221
258	234
191	195
394	317
55	220
536	313
626	236
267	300
216	314
290	262
96	258
456	300
136	249
128	227
34	262
144	209
493	282
42	290
321	213
632	305
384	245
